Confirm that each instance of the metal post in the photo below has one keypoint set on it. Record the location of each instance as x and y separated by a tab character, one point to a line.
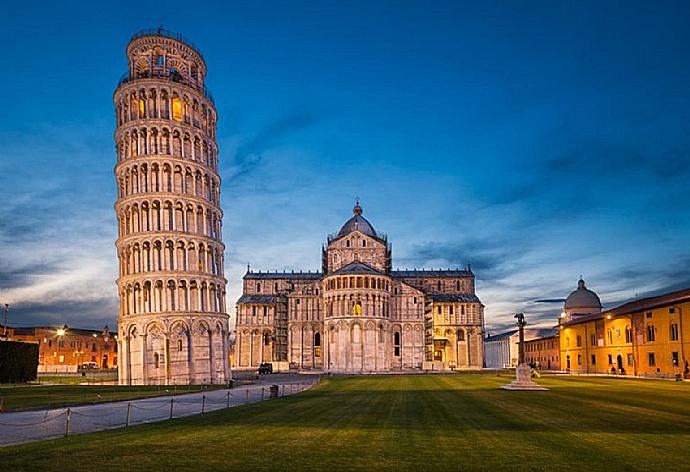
203	403
7	309
69	417
262	394
171	408
247	401
129	412
228	400
283	389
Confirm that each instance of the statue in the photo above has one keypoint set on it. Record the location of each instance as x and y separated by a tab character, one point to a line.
523	372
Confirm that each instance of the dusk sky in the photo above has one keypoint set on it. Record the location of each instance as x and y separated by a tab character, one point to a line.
537	141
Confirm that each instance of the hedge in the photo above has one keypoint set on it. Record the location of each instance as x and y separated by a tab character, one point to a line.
18	361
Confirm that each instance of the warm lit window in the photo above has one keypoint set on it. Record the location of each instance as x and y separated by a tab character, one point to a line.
674	359
142	108
61	359
357	309
176	108
628	334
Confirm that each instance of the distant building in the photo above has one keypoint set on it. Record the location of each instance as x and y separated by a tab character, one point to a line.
501	350
649	337
358	314
65	349
544	352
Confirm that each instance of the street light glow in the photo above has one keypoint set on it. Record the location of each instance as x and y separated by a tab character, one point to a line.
61	332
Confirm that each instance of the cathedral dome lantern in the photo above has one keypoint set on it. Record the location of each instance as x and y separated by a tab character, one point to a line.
357	223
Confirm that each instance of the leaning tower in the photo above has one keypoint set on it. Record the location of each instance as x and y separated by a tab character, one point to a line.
173	326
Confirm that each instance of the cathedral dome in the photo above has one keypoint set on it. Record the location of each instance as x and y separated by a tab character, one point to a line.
357	223
583	299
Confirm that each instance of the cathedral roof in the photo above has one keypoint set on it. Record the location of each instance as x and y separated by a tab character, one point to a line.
357	223
258	299
283	275
357	267
432	273
454	297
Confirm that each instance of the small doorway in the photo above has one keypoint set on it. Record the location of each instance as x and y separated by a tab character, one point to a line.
619	364
104	364
567	362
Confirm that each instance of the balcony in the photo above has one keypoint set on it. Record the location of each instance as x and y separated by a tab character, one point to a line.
169	75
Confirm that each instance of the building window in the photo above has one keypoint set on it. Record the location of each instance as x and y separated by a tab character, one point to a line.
652	359
93	347
593	340
674	359
650	333
628	334
317	339
61	359
674	332
396	343
579	359
179	345
649	314
258	288
630	359
594	359
414	300
610	359
579	340
438	310
609	334
450	310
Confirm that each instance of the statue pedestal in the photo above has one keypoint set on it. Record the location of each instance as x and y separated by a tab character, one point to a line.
523	380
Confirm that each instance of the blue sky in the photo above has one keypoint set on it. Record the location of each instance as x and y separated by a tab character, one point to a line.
535	140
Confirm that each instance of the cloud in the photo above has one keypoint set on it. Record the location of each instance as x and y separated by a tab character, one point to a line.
250	152
90	314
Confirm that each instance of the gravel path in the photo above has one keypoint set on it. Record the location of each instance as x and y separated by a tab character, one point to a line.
26	426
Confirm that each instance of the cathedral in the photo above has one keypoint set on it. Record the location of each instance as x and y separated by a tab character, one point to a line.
358	315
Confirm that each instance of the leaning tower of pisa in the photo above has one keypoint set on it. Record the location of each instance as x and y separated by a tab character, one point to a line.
173	326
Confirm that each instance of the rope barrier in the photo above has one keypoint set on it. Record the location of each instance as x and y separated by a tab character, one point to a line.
35	423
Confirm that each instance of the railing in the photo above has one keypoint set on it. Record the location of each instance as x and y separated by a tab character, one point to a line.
166	34
165	74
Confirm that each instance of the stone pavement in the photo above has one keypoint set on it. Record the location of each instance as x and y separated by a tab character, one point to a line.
26	426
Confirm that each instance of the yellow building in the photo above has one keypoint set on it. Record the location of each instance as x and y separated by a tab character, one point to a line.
649	337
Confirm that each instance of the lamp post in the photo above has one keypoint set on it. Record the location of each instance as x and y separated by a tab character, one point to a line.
7	310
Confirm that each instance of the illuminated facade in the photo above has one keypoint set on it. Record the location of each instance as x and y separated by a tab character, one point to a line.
649	337
358	315
172	319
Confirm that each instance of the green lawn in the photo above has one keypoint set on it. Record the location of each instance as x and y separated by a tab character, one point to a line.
439	423
53	396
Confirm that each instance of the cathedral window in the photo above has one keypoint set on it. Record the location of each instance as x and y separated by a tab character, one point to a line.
258	288
265	311
347	243
450	309
438	309
396	343
461	335
357	309
179	345
317	339
364	243
267	339
253	310
156	360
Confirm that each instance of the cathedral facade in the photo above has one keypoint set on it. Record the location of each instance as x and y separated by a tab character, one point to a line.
358	315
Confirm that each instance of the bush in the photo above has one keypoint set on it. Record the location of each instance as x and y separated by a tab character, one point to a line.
18	361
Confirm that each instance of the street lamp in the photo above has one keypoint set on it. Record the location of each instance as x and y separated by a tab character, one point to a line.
4	331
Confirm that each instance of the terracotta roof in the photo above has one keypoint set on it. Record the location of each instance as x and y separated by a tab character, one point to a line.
652	302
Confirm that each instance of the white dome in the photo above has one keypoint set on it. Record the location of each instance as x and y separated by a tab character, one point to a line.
582	298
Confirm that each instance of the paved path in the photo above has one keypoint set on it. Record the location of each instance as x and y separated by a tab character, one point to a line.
26	426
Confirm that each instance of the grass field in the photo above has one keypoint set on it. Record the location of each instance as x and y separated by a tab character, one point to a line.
439	423
53	396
